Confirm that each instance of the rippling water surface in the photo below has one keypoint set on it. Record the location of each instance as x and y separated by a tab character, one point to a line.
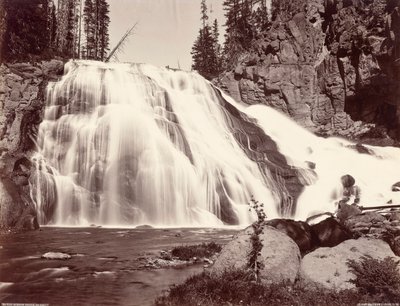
106	267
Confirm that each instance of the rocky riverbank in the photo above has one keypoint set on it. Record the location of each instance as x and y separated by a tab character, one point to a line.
22	101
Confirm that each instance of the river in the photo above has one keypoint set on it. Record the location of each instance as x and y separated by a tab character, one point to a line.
106	268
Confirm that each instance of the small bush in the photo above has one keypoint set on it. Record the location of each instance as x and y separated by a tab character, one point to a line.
256	245
375	276
187	252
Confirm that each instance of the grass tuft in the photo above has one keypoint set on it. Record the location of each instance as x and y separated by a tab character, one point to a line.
187	252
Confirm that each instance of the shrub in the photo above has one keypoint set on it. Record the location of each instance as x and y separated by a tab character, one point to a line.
254	263
187	252
376	276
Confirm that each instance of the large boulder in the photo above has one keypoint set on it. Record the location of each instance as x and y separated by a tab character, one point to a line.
279	254
327	267
299	231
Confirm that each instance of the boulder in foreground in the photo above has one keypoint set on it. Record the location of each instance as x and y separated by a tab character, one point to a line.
327	267
279	254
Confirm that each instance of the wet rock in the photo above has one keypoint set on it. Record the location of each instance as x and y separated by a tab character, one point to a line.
360	148
346	211
144	226
311	165
279	254
53	68
208	261
333	262
330	232
56	255
396	187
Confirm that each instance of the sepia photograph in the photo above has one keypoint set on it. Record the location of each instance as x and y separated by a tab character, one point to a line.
200	152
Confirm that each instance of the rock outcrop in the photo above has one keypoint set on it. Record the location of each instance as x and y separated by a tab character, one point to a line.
279	254
374	225
22	90
327	267
330	65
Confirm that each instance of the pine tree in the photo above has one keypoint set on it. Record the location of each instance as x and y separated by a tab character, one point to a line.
52	24
204	16
245	19
27	30
96	22
205	49
104	21
217	48
233	45
66	27
89	28
261	17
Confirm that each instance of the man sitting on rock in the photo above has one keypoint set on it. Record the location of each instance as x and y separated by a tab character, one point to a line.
350	191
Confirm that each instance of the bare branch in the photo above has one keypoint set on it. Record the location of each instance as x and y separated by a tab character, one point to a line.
121	43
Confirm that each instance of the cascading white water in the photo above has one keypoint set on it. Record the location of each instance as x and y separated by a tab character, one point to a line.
129	144
132	144
374	173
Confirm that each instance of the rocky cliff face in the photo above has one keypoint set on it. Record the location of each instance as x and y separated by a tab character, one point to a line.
22	90
330	65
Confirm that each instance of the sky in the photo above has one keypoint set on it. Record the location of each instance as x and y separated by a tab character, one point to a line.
165	32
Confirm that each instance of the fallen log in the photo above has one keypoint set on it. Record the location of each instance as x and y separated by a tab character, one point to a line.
378	207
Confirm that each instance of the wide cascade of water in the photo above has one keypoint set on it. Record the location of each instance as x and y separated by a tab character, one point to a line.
129	144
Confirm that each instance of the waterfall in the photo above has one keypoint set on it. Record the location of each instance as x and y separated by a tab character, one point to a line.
132	144
129	144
